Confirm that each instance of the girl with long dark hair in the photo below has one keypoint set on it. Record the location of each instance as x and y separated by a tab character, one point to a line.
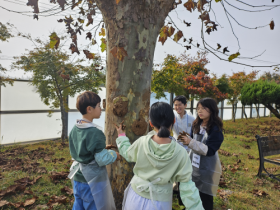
159	162
205	139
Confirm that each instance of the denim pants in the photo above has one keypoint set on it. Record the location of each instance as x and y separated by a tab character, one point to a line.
83	197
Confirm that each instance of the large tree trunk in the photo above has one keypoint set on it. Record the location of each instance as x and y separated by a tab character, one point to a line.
133	26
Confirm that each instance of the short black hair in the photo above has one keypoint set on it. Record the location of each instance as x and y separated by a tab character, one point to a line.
86	99
181	98
162	117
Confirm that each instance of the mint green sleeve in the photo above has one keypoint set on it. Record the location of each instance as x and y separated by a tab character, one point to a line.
188	191
126	150
190	196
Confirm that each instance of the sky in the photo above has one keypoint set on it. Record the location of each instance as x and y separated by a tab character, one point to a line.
253	42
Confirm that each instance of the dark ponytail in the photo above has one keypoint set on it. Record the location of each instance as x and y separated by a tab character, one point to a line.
162	117
163	132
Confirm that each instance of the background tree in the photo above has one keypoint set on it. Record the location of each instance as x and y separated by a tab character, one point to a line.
56	77
170	77
264	92
201	86
274	76
236	83
5	34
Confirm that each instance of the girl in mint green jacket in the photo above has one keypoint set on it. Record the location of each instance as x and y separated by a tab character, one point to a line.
159	162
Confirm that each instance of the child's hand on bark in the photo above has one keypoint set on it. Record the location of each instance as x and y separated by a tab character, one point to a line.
120	129
118	156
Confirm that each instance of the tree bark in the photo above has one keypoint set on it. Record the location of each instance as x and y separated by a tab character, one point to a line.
64	119
243	109
257	109
133	26
233	113
273	110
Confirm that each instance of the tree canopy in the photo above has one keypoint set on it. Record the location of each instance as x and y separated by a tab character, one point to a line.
5	35
264	92
56	77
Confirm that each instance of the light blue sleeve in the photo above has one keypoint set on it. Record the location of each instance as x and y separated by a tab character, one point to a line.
126	150
105	157
190	196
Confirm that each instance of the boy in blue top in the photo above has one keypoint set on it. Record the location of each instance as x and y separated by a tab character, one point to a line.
87	144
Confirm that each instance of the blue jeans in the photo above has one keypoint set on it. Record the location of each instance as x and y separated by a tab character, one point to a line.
83	197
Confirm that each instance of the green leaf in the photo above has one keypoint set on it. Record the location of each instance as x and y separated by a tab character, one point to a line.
54	40
233	56
218	0
103	44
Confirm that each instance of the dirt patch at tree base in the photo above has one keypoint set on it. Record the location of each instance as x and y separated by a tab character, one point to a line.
139	127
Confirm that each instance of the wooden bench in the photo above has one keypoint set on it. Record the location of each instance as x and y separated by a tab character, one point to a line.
268	145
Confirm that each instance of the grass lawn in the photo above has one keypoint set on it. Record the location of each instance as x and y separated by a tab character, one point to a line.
34	176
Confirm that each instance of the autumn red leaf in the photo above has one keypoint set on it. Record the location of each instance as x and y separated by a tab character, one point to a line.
204	16
178	36
170	31
163	34
89	55
34	5
271	24
200	5
189	5
74	49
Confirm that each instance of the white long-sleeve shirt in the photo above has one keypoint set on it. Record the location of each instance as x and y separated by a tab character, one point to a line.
182	124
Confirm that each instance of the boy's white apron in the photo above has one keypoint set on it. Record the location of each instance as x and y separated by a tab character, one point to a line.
207	175
97	179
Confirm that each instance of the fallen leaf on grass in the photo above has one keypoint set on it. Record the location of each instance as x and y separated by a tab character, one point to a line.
3	203
222	184
251	156
259	192
277	186
224	194
245	169
233	170
30	201
12	190
67	190
55	176
17	205
223	152
46	194
41	207
56	200
28	192
246	146
272	170
259	182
